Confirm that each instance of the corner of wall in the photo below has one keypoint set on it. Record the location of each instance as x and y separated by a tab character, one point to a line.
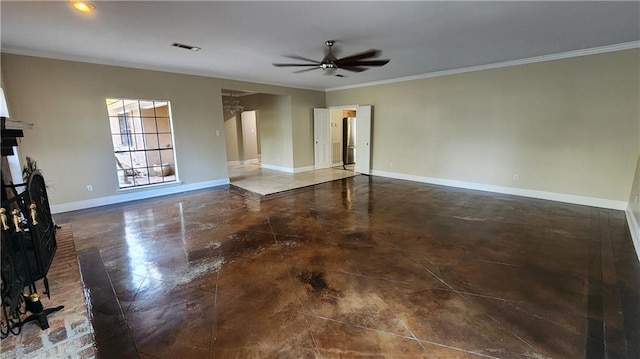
634	228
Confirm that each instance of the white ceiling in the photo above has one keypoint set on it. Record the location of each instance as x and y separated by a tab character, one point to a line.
241	40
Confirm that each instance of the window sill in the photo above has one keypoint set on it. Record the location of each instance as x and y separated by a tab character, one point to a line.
150	186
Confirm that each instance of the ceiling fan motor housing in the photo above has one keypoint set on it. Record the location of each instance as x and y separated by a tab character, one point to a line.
330	63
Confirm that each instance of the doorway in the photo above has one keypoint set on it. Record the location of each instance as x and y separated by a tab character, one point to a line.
241	128
242	138
342	138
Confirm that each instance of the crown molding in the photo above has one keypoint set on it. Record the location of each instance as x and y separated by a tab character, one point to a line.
497	65
116	63
529	60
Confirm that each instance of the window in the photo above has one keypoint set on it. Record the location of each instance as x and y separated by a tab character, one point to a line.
142	137
125	132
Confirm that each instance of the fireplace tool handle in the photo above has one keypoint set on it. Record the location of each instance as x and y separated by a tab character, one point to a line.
32	212
16	220
4	219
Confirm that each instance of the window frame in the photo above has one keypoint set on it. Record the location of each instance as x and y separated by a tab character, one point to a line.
143	142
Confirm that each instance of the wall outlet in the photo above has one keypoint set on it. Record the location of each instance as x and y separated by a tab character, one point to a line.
89	188
218	133
516	177
635	200
390	164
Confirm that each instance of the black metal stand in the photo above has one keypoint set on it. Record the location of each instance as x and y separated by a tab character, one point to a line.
34	305
27	247
40	317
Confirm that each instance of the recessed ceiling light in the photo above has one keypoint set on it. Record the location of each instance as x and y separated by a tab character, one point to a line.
83	6
186	47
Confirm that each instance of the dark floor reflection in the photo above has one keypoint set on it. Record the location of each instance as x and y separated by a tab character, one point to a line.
368	266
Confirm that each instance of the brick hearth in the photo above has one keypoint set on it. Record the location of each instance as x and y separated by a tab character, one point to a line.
70	334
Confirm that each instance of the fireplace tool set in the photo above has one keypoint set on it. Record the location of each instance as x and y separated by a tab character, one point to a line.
28	245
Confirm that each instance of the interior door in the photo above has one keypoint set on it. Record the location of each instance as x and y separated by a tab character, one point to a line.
363	140
322	138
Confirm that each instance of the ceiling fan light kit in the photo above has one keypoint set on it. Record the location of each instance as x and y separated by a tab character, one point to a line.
354	63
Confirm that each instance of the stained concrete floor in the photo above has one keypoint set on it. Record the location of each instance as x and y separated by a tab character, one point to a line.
365	267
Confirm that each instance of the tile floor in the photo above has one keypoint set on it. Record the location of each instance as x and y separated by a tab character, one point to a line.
263	181
367	267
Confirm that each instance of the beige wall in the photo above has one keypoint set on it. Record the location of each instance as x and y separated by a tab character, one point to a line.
567	126
231	137
71	136
288	114
335	115
273	113
249	135
303	103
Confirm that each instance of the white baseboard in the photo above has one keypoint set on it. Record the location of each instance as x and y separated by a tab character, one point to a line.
336	164
278	168
245	162
132	195
634	228
303	169
288	169
552	196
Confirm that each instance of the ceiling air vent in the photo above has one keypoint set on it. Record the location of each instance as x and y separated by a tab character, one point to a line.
187	47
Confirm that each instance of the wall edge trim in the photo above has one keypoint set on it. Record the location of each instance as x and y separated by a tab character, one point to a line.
288	169
524	61
497	65
242	162
634	229
303	169
551	196
130	65
132	196
278	168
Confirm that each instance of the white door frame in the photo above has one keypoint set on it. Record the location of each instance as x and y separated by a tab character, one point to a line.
322	138
363	139
364	167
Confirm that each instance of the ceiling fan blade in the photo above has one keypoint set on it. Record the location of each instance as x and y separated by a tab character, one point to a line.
286	65
356	57
305	70
296	57
354	68
367	63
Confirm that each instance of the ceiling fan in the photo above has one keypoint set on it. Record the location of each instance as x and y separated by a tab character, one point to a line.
353	63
